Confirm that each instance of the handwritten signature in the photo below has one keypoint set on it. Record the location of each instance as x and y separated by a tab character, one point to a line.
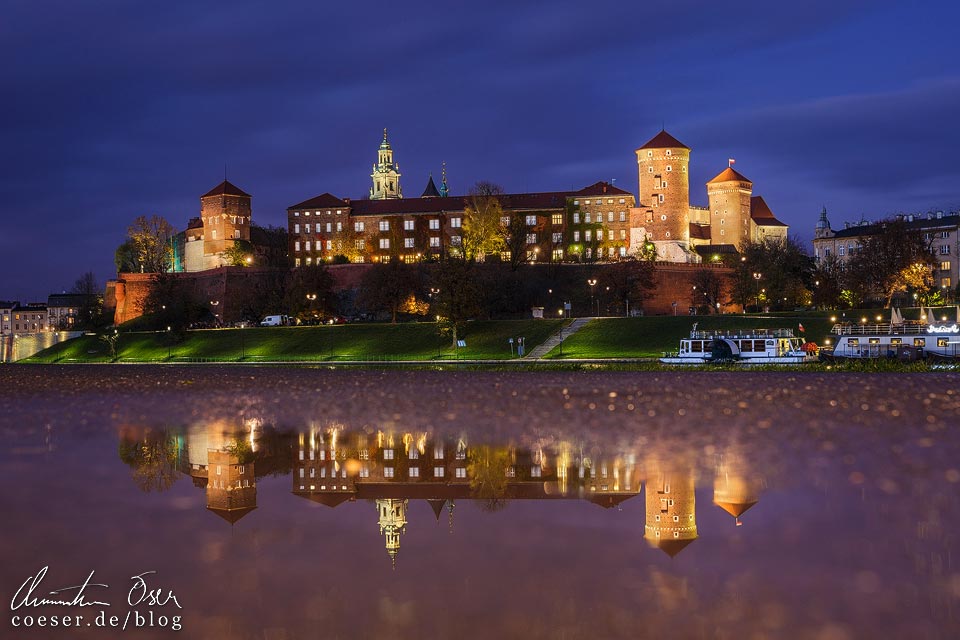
140	593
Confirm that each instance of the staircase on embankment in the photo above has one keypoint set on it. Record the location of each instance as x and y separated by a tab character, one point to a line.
555	339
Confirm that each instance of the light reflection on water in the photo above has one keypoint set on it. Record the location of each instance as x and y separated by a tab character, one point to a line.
554	525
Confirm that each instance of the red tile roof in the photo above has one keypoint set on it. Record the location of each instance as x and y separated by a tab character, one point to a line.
664	140
324	201
729	175
761	213
225	189
602	189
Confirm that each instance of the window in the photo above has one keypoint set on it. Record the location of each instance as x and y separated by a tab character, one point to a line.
610	216
455	223
531	221
329	245
360	244
306	228
296	214
919	342
576	236
505	221
434	223
557	237
306	245
649	169
296	262
414	472
358	227
296	245
461	472
944	249
388	472
339	227
623	234
438	472
531	238
669	153
945	282
945	265
329	228
456	240
576	218
408	225
586	202
944	234
589	253
434	241
557	255
942	342
556	219
623	216
587	217
576	202
214	232
587	235
609	234
660	197
296	228
669	168
408	243
841	250
384	225
438	452
384	243
388	454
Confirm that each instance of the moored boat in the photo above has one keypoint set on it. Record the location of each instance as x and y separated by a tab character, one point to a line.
898	339
743	347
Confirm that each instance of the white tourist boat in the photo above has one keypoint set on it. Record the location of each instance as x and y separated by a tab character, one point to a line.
747	347
897	339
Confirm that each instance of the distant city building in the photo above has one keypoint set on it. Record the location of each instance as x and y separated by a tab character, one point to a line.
598	222
939	230
17	319
63	309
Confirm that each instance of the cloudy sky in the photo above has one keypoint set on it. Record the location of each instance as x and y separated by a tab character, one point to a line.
112	109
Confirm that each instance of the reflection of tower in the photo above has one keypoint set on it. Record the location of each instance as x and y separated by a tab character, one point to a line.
393	522
231	486
671	519
734	491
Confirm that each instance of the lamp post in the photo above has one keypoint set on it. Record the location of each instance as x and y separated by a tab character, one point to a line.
757	276
592	282
216	318
169	344
312	298
434	292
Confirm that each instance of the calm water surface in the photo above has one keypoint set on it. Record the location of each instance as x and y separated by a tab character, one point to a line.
310	503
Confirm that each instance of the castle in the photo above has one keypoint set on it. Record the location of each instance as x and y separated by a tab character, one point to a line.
598	222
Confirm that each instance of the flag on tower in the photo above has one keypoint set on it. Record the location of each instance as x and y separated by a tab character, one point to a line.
801	327
731	162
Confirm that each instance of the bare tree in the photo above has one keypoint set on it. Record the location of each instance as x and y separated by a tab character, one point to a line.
152	240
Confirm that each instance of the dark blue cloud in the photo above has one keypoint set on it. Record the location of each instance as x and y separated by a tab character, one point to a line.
113	109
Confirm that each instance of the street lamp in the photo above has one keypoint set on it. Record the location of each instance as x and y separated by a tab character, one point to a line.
214	303
757	276
169	344
592	282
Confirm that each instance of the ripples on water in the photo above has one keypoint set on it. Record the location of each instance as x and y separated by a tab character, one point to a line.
291	504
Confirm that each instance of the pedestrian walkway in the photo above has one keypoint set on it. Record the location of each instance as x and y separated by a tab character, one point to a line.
551	342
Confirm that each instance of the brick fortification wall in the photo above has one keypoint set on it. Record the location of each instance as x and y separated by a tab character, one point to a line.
675	284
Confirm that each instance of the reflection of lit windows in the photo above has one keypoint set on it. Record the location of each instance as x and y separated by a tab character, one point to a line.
438	472
536	472
511	472
364	471
414	453
438	452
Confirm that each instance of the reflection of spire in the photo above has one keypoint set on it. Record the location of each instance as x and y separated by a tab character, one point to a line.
450	515
671	522
734	491
437	506
393	523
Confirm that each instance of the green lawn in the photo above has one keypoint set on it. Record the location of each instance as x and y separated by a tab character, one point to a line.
417	341
652	336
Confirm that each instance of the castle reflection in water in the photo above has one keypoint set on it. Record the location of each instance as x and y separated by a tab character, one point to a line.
331	465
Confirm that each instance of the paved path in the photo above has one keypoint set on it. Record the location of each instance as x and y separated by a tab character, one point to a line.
551	342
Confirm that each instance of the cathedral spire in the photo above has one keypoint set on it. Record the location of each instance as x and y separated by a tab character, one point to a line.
386	173
444	189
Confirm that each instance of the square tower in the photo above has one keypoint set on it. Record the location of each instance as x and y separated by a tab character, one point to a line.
225	213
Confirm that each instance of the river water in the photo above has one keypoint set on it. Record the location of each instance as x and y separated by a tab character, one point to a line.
313	503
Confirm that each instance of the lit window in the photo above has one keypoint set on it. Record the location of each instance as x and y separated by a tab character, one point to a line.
358	227
623	216
556	219
384	243
360	244
455	240
455	223
388	454
531	221
531	238
296	228
557	237
587	235
296	245
610	216
408	243
414	472
461	472
408	225
388	472
306	245
576	218
587	218
434	223
438	472
384	225
434	241
306	228
576	236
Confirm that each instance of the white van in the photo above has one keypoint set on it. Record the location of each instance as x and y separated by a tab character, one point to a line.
273	321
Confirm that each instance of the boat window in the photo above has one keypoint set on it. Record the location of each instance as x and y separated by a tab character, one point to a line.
853	342
942	342
874	340
919	342
896	340
759	345
696	346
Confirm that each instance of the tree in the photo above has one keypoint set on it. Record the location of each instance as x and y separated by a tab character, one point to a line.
516	240
629	281
387	287
172	302
890	260
483	231
487	470
708	289
239	254
125	258
90	311
775	271
829	282
314	281
458	298
151	244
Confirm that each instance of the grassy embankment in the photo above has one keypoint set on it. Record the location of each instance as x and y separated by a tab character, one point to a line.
418	341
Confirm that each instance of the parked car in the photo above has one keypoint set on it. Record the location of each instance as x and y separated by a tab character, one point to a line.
274	321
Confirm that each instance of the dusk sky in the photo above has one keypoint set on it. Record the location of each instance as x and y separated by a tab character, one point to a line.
112	109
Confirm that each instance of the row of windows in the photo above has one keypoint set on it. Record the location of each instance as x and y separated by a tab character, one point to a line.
329	226
589	219
307	213
599	201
